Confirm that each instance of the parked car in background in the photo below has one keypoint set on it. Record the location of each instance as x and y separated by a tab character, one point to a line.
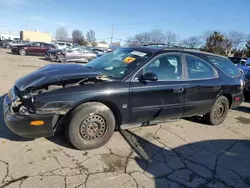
53	54
15	43
34	48
99	51
78	54
61	45
247	81
4	42
129	87
241	63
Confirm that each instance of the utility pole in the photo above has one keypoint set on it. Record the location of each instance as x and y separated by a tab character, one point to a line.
26	25
112	33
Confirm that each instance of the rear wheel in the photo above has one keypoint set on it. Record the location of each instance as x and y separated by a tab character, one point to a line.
91	126
22	52
218	112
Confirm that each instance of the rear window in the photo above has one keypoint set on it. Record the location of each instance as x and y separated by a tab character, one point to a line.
225	65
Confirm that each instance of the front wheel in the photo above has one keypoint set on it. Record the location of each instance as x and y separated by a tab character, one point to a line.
92	125
61	58
22	52
218	112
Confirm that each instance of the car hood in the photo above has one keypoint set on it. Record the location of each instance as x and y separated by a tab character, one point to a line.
53	74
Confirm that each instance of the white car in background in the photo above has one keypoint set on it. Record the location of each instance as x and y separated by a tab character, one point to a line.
62	45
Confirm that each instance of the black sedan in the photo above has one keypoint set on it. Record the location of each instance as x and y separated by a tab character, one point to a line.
125	88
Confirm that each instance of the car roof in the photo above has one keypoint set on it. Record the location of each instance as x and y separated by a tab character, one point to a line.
160	50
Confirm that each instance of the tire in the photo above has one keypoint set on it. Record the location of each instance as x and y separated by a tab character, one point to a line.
53	58
218	112
61	58
7	46
91	126
22	52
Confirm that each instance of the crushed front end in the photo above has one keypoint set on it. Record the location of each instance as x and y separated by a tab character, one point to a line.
35	106
23	120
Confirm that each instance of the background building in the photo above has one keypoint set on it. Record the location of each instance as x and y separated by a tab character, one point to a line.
36	36
4	36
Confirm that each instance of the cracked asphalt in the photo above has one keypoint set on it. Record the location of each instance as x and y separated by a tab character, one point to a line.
185	153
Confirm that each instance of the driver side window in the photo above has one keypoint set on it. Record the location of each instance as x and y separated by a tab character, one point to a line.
166	67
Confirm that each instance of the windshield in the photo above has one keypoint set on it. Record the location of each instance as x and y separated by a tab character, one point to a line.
34	44
120	63
72	48
225	65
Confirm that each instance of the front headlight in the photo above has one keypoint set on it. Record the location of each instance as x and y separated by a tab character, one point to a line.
16	102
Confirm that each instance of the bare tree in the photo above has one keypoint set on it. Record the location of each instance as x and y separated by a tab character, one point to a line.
157	36
152	37
90	36
132	42
77	36
192	42
170	38
61	33
142	38
236	38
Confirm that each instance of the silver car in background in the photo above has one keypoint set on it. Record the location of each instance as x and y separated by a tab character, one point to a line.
79	55
10	44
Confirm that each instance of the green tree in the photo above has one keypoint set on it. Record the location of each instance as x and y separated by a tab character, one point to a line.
217	43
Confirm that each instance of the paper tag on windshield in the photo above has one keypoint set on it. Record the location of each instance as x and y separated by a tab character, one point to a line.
129	59
141	54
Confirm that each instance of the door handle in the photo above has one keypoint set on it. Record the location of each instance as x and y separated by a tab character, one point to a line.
178	90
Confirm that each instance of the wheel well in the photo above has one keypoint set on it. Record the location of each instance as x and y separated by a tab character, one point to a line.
114	109
110	105
229	98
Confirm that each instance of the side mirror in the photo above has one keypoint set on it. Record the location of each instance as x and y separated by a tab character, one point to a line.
150	76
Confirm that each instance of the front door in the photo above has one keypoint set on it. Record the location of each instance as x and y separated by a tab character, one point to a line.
203	86
156	101
44	48
73	55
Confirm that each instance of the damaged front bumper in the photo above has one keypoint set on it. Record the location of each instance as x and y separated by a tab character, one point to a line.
21	124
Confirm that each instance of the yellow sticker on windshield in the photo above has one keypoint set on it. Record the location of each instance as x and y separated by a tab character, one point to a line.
128	59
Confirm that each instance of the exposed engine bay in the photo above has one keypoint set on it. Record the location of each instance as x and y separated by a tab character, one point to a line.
24	102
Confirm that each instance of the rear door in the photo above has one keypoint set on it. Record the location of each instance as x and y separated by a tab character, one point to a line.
203	85
35	49
44	48
156	101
